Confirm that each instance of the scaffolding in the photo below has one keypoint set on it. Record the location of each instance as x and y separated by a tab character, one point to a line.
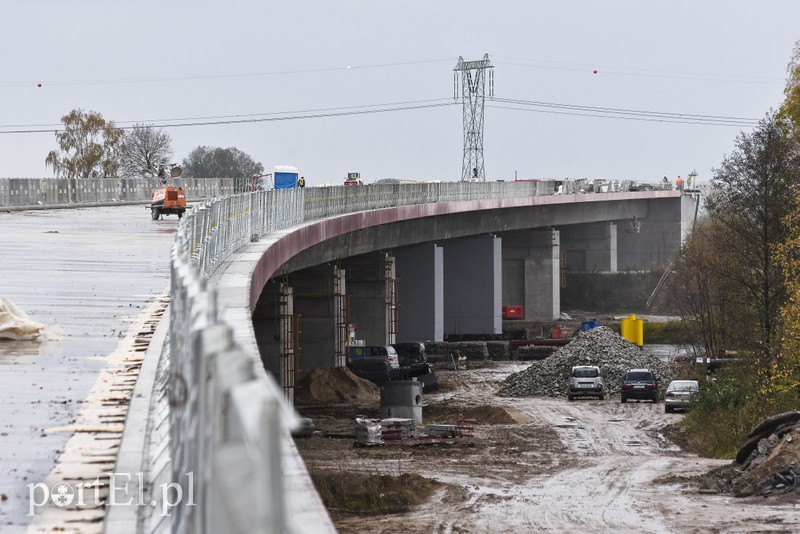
390	280
289	339
341	316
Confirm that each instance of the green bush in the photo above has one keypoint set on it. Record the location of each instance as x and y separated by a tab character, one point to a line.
670	333
728	407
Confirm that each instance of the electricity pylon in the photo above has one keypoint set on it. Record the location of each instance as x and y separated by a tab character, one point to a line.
473	92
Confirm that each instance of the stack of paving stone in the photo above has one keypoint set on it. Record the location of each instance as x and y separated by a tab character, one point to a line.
398	429
599	346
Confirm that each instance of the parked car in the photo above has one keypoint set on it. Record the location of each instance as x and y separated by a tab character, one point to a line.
377	363
679	394
640	384
586	381
414	364
376	370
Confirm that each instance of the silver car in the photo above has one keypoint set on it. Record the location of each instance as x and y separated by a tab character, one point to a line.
679	394
586	381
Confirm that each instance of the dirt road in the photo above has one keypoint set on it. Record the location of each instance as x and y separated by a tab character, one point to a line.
583	466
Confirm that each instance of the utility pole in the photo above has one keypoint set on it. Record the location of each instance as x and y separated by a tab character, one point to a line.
472	77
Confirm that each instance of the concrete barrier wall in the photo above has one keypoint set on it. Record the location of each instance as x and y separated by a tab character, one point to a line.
22	192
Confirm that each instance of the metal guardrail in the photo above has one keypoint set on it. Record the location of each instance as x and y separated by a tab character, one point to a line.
65	191
227	415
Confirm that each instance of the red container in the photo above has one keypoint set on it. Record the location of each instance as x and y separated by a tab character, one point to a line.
513	312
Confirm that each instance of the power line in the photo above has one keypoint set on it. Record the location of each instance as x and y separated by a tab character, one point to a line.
238	115
448	102
273	113
198	77
690	118
511	104
644	118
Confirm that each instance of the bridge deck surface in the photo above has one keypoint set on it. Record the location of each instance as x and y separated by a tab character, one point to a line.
91	272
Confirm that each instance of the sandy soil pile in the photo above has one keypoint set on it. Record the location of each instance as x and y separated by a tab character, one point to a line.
337	384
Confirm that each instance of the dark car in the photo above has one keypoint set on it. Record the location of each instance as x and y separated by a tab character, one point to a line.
640	384
376	370
414	364
377	363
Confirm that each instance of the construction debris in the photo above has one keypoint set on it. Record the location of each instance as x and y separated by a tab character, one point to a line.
599	346
368	432
16	324
767	464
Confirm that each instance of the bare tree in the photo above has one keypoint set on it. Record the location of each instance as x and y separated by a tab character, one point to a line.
709	306
143	148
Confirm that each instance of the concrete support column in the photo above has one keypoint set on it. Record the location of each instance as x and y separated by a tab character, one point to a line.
322	306
372	294
611	239
543	279
420	293
473	285
531	273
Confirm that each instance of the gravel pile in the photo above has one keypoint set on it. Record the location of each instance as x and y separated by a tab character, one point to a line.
599	346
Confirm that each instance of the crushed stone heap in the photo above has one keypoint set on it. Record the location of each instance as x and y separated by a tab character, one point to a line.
599	346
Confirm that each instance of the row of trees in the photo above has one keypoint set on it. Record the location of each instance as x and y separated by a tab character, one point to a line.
91	147
740	275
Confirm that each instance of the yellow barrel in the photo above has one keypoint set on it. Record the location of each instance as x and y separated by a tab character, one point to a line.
624	329
632	329
637	331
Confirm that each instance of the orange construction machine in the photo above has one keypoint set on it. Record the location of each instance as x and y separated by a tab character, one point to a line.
168	200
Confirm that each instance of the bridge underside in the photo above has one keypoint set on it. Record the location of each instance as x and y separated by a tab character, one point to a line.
399	277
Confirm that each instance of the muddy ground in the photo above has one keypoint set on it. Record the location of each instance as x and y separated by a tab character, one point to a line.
541	465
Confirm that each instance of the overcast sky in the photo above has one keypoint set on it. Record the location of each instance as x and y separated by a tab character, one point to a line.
167	62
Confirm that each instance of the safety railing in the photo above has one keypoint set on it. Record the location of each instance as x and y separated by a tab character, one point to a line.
24	192
227	415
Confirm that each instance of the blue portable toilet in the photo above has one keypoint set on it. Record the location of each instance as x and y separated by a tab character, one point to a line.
285	177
